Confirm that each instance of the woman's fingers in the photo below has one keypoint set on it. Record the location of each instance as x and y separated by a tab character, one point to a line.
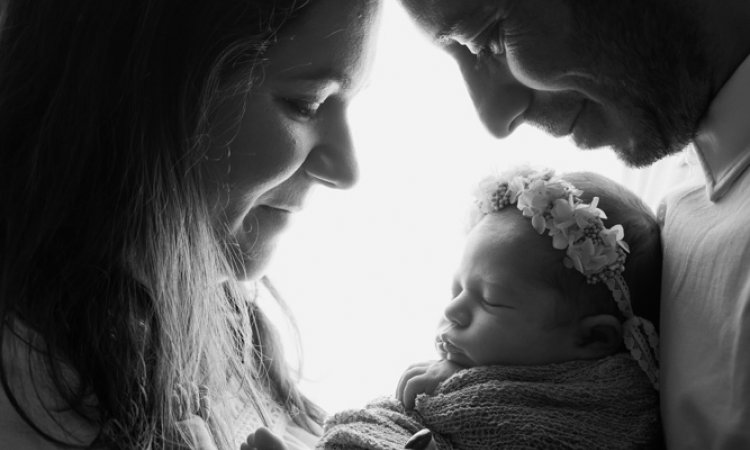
196	428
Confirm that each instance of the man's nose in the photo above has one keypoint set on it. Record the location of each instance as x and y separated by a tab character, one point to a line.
499	99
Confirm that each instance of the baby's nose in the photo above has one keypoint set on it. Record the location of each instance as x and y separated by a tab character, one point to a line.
457	313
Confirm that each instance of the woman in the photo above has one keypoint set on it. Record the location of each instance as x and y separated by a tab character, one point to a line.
152	152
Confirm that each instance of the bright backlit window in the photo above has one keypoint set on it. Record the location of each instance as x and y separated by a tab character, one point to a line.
367	272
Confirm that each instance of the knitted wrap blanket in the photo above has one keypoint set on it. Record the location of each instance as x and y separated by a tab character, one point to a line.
607	403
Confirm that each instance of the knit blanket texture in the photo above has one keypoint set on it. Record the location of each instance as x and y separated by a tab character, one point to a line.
602	404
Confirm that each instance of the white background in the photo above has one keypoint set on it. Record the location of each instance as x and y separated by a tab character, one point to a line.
367	271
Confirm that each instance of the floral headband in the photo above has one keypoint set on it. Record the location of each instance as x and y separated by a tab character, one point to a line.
555	206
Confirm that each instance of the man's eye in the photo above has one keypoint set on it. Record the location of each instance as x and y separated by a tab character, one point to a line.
303	108
493	41
496	47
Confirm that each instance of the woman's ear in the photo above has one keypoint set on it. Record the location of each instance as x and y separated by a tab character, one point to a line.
601	335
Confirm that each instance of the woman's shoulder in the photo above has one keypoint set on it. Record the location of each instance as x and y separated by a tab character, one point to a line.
36	395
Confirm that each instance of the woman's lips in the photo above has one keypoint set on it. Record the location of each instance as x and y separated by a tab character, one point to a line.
266	218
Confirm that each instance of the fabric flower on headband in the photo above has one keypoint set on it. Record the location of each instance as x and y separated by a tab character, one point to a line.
599	253
554	206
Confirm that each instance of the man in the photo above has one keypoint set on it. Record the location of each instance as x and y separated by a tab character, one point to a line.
646	78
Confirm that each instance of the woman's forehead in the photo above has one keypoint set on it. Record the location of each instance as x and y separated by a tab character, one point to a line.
330	41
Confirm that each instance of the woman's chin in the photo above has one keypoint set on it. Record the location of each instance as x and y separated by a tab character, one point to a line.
257	242
255	262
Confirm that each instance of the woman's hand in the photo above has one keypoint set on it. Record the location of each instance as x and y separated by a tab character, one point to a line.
423	378
263	439
196	427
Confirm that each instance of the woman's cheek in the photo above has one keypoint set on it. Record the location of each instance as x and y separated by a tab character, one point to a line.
269	151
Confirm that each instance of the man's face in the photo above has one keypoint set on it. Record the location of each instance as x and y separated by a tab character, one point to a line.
631	75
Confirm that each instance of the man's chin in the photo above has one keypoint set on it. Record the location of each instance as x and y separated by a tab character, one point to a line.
585	141
638	154
631	152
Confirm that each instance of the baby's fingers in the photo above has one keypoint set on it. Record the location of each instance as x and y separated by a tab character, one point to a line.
413	371
420	384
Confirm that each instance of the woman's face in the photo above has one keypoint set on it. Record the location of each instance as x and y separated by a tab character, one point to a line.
270	147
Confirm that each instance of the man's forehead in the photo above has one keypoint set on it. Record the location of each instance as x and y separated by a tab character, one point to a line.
445	18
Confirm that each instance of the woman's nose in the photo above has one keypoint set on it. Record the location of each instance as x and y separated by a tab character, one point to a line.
333	162
499	99
458	311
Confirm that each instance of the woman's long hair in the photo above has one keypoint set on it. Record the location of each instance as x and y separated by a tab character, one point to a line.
107	250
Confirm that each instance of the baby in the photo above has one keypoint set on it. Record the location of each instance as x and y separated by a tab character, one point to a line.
549	340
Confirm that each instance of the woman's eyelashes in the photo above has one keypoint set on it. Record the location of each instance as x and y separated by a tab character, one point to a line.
302	108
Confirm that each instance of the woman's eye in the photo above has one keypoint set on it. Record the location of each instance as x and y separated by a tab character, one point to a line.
303	108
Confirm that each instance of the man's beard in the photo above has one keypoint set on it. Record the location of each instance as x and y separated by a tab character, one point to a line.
652	65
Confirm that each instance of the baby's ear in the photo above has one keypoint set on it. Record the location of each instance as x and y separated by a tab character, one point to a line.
601	335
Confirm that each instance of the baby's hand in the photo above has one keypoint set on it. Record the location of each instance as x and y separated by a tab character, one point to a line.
423	378
263	439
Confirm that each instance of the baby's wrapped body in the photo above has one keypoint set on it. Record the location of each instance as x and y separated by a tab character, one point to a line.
606	403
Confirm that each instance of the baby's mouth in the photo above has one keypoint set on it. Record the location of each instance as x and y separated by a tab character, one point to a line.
444	346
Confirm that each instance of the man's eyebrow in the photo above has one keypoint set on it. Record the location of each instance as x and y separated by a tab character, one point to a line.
443	39
447	31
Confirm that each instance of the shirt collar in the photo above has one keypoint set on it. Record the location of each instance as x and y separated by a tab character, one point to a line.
723	139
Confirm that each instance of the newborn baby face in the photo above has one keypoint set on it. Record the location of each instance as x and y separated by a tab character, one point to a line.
506	309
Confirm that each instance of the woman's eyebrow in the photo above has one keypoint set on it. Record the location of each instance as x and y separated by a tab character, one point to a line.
322	75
